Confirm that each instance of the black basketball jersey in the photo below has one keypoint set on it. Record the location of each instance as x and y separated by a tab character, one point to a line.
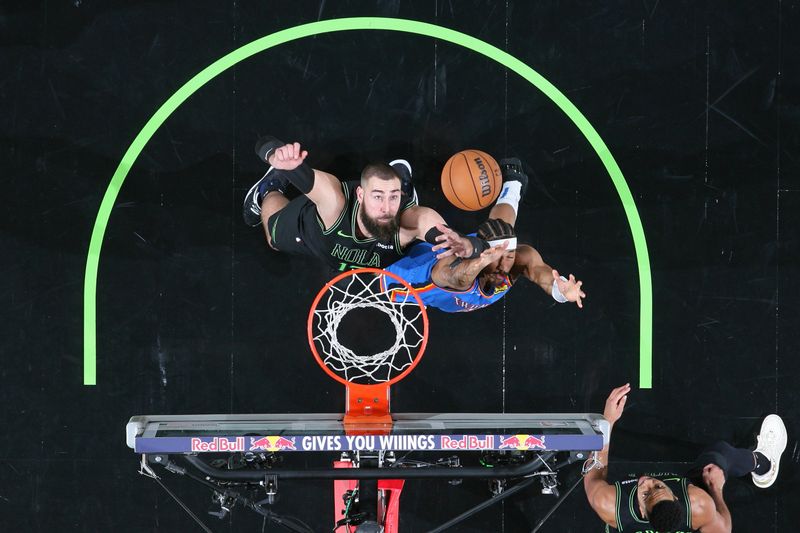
341	248
629	519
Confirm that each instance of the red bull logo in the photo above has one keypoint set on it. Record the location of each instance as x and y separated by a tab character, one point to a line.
217	444
523	442
467	442
272	444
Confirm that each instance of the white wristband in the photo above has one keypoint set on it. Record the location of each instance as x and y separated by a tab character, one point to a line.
557	296
512	243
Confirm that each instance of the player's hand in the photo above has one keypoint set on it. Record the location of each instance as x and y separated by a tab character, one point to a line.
713	477
571	289
615	403
287	157
451	243
490	255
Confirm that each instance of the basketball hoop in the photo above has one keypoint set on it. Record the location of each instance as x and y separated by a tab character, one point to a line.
366	370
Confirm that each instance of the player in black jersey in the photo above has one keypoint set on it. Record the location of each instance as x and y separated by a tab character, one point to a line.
366	223
662	503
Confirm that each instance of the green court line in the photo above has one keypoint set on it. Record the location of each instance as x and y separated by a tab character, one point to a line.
365	23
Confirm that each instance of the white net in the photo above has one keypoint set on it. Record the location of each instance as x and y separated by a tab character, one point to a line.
363	291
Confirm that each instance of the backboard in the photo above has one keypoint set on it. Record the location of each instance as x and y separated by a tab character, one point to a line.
368	470
325	432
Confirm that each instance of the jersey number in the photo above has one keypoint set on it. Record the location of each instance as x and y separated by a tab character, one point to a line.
344	266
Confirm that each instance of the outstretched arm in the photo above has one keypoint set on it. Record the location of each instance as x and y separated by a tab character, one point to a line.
324	189
459	274
601	495
416	222
530	264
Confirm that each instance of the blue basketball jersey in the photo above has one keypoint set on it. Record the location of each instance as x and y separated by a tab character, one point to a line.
415	267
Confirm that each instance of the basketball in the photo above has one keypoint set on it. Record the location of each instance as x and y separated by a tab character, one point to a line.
471	180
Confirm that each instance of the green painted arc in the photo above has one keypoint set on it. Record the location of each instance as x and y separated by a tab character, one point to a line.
365	23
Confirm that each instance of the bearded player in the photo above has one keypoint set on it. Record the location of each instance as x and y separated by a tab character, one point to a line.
364	223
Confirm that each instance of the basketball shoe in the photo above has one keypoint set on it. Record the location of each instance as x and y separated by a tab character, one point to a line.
771	443
511	169
403	169
251	209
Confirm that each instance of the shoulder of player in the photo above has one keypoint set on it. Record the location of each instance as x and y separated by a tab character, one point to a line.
524	251
704	510
409	215
332	217
603	500
525	257
410	221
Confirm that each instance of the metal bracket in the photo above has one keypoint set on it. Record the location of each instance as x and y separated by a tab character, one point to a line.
271	487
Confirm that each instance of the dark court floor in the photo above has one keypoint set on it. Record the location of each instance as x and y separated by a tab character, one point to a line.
697	102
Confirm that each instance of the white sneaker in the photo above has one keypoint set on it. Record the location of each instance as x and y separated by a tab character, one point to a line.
771	442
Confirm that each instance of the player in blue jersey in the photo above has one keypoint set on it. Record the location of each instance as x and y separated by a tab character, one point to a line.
457	285
360	223
680	503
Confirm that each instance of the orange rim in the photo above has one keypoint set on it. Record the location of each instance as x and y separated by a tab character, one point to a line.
377	272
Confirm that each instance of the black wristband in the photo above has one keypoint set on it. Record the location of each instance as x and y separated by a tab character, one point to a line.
266	145
432	233
478	246
301	177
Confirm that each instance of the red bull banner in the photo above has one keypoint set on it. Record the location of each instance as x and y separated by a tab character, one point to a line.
339	443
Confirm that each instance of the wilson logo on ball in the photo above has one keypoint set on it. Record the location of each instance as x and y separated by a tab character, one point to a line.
471	180
486	188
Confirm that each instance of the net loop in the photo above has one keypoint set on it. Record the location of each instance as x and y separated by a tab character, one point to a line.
367	289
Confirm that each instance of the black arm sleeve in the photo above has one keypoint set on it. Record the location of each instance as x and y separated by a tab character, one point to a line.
302	177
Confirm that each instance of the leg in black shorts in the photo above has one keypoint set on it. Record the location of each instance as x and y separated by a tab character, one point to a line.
287	226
